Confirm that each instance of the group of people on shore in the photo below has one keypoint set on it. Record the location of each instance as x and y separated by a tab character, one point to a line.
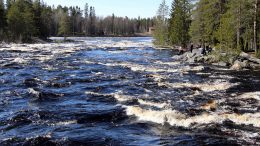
203	49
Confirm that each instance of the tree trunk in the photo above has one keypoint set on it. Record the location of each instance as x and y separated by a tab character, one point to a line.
239	26
255	26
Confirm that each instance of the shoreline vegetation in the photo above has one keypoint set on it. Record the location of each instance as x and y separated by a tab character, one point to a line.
230	27
22	20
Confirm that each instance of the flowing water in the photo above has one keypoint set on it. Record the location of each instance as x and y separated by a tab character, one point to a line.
122	91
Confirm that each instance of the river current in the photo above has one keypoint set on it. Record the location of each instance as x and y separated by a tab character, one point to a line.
122	91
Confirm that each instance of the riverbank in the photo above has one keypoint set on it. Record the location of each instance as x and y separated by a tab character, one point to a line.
231	60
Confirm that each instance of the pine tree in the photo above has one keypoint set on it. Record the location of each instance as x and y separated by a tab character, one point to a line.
206	21
47	22
235	24
37	9
86	19
197	28
161	26
20	20
226	33
9	3
92	17
65	25
15	21
256	24
2	19
180	22
29	29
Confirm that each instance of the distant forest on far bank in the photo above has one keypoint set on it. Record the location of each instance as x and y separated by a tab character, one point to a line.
20	20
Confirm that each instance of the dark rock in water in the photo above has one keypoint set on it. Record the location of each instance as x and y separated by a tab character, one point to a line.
229	123
49	95
12	65
31	82
209	140
98	89
59	85
131	102
40	141
194	111
101	98
42	95
114	115
97	141
211	128
19	120
232	125
11	142
195	89
233	103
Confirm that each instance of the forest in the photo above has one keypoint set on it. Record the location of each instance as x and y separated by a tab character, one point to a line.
231	25
20	20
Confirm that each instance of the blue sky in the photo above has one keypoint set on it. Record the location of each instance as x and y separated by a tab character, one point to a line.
130	8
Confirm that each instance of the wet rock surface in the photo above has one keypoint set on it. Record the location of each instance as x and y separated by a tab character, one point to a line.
122	91
241	62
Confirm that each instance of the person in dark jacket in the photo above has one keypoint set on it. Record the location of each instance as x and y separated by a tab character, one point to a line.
191	48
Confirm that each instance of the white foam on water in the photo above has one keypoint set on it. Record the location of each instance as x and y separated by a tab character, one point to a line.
158	105
19	60
64	123
217	85
32	91
142	68
122	98
176	118
254	95
222	76
168	63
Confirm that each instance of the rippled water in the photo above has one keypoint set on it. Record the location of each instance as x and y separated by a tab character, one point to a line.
122	91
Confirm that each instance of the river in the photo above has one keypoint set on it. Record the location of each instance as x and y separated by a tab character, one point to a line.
122	91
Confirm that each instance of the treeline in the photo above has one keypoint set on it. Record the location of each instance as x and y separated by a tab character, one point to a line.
20	20
224	24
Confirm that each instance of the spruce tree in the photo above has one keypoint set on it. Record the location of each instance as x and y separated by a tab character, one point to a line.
234	29
15	22
37	10
180	23
29	21
197	28
20	20
65	25
161	25
86	10
226	33
2	19
206	21
92	17
46	21
256	24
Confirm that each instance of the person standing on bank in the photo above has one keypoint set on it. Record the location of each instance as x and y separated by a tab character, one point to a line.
191	48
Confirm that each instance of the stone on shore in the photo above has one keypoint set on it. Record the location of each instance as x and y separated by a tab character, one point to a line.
237	65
